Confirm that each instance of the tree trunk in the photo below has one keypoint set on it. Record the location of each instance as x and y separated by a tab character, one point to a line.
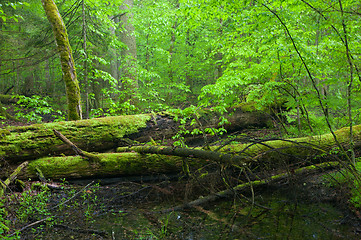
66	58
129	54
85	64
101	134
104	133
110	165
275	155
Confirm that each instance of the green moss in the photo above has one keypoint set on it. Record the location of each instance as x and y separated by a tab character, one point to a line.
66	58
111	164
247	106
3	133
39	140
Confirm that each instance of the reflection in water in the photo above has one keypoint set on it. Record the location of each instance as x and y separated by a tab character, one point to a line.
279	213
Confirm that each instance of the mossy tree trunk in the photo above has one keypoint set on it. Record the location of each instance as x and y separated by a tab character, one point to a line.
102	134
66	58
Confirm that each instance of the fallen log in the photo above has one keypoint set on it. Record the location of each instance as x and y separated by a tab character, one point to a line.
8	99
270	151
109	165
37	140
102	134
159	159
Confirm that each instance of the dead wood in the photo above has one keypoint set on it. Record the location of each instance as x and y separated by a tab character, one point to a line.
8	99
219	157
11	178
104	134
92	157
242	187
276	154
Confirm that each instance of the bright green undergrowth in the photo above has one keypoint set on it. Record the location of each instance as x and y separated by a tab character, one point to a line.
34	108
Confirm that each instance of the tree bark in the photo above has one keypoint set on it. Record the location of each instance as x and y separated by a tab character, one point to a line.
37	140
110	165
66	58
157	159
102	134
129	54
270	155
279	154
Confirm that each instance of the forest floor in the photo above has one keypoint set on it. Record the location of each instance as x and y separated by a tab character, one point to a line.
130	208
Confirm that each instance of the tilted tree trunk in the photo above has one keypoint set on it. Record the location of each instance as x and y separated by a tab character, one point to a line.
66	58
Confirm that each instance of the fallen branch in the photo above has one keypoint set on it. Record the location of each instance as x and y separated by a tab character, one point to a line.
92	157
13	176
231	191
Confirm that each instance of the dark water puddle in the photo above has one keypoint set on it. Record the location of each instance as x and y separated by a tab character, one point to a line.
278	213
304	209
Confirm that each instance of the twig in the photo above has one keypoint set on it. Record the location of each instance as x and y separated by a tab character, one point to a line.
230	191
76	194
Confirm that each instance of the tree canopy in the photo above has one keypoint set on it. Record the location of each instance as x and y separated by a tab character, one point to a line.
142	56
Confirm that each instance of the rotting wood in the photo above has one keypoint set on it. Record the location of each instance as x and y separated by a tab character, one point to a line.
103	134
110	165
12	177
231	191
92	135
265	155
219	157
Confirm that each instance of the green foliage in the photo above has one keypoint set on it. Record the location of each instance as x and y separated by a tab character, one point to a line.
5	223
13	6
27	206
34	108
349	179
191	52
33	204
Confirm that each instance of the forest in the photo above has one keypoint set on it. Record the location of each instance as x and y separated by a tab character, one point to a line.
180	119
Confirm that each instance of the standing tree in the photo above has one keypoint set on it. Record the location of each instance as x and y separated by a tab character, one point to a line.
66	58
127	36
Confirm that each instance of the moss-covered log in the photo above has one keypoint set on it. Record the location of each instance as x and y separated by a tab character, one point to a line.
110	165
101	134
271	154
38	140
305	148
273	151
8	99
243	116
